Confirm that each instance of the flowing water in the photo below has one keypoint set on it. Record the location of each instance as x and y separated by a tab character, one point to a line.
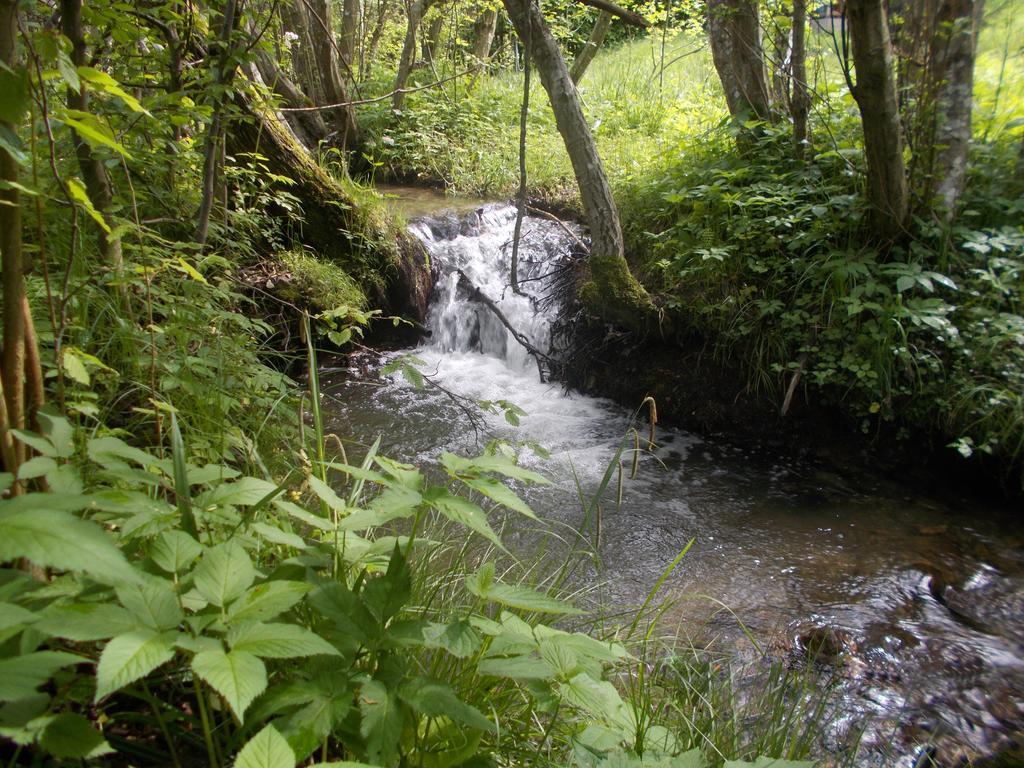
916	603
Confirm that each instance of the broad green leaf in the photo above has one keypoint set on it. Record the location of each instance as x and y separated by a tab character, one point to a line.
245	491
154	603
278	641
459	466
515	596
560	656
59	432
434	699
14	98
598	697
692	758
37	443
326	494
94	134
132	656
174	551
224	573
464	512
276	535
111	452
12	615
69	735
385	595
21	675
496	491
267	600
267	749
101	81
237	676
37	466
56	539
73	365
85	622
458	638
382	722
517	668
350	617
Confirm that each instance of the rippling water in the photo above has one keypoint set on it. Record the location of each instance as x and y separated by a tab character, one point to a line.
920	601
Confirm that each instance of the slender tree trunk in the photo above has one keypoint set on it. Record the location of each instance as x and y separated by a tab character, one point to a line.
800	102
416	10
383	6
350	17
483	35
431	39
875	93
97	183
524	114
223	76
734	30
613	288
12	268
592	46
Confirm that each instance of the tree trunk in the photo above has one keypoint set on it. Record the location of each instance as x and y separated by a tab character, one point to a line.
416	9
350	16
937	48
592	46
12	267
383	6
316	65
483	35
875	93
94	174
734	30
613	288
388	263
431	39
309	127
800	102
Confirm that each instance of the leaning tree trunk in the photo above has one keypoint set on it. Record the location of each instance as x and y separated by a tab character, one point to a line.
593	45
734	30
431	39
388	263
309	127
613	288
94	174
483	35
349	32
416	9
875	93
378	31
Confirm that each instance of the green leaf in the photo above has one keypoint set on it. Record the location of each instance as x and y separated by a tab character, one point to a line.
174	551
693	758
37	466
155	604
458	638
382	723
434	699
69	735
14	98
86	622
517	668
181	480
385	595
54	539
515	596
276	535
237	676
73	366
279	641
598	697
132	656
12	615
243	492
459	466
108	452
267	749
101	81
500	493
21	675
224	573
464	512
267	600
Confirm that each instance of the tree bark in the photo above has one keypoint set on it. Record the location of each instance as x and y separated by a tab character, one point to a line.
309	127
416	10
734	31
383	6
612	288
483	35
800	102
12	268
94	174
350	16
592	46
431	39
875	93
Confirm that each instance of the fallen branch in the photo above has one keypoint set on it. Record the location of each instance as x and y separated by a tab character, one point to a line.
615	10
477	295
559	222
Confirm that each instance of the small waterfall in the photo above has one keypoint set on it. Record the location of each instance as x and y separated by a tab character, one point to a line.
480	247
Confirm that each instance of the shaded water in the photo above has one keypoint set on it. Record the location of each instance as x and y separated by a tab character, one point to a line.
917	602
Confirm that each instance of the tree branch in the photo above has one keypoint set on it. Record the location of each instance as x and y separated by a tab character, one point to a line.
615	10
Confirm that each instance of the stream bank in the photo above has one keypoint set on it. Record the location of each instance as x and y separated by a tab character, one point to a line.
912	601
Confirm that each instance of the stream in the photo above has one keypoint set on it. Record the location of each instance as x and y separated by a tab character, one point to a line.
914	604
